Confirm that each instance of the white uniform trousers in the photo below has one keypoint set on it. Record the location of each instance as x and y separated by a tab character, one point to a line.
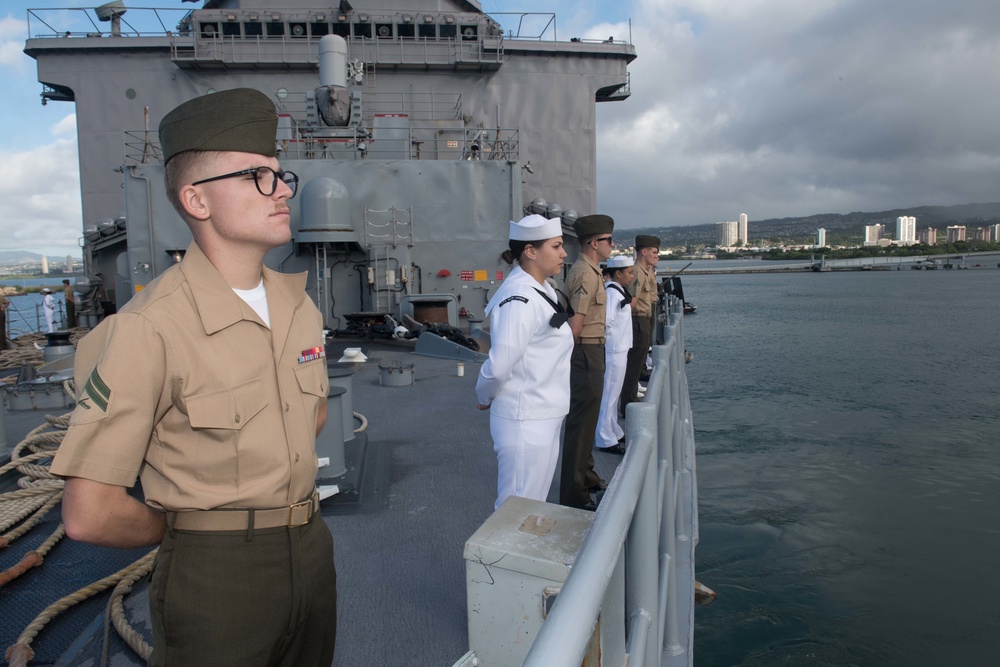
527	451
608	431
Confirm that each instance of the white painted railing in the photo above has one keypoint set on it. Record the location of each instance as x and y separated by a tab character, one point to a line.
650	508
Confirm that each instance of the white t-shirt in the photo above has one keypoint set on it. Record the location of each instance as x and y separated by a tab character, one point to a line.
256	298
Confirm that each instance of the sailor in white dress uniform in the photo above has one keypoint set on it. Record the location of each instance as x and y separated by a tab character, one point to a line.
618	341
525	381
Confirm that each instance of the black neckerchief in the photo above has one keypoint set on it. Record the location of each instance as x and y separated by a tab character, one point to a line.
626	297
562	314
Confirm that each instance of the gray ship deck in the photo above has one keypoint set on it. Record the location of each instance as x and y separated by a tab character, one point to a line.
430	482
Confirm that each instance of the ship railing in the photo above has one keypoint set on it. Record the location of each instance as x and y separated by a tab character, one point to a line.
417	142
257	50
534	26
650	509
541	27
80	22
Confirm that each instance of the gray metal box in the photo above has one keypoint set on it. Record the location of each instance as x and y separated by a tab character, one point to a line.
515	564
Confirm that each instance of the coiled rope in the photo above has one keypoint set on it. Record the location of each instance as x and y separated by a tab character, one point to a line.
24	351
39	491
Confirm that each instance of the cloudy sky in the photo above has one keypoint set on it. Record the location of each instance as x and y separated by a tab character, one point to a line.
769	107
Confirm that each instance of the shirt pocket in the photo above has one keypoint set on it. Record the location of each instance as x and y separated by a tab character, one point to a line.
314	384
218	419
601	299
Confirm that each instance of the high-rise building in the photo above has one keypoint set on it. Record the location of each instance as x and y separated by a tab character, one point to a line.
45	265
982	234
906	230
728	233
994	233
69	263
873	233
743	234
956	233
820	238
928	236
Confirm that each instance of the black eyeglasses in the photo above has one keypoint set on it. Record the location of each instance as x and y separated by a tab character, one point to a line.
265	178
605	238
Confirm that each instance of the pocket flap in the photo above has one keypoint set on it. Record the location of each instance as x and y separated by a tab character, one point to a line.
229	408
312	378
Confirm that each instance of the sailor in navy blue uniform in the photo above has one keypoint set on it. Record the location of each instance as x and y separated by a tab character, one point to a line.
617	343
525	381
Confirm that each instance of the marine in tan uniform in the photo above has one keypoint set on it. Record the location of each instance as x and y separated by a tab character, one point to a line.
643	288
585	287
210	386
68	297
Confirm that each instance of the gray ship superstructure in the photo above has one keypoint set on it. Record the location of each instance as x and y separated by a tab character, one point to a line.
418	129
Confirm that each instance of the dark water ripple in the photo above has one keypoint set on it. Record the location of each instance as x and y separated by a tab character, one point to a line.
847	428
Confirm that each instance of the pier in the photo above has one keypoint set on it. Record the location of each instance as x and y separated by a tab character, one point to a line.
972	260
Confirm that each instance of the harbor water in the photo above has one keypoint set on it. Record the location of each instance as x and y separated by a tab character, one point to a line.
848	467
24	314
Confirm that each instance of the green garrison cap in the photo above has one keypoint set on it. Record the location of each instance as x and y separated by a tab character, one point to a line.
647	242
589	225
241	120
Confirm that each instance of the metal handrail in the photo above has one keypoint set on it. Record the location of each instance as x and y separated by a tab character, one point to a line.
143	146
650	508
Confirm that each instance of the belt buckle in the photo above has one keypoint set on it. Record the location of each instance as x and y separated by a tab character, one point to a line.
305	505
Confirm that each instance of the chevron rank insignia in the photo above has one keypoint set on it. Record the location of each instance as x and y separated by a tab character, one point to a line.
98	394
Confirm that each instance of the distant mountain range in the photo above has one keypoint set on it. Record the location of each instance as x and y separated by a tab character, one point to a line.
15	257
840	228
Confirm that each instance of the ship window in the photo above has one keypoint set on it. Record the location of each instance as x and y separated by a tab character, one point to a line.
383	30
449	31
469	33
253	29
362	29
275	29
209	30
342	30
231	29
319	29
429	31
405	29
297	29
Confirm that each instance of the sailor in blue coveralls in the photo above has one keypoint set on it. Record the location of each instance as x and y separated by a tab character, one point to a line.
525	381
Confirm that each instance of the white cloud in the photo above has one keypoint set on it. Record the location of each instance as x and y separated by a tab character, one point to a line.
782	108
66	127
40	200
12	35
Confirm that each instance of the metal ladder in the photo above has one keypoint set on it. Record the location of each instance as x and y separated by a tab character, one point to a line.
385	230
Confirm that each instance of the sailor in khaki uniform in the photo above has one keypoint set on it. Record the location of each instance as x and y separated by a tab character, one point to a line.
210	386
525	381
618	341
643	288
70	298
585	288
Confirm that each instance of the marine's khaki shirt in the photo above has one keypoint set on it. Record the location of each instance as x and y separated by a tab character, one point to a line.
585	288
186	388
643	288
